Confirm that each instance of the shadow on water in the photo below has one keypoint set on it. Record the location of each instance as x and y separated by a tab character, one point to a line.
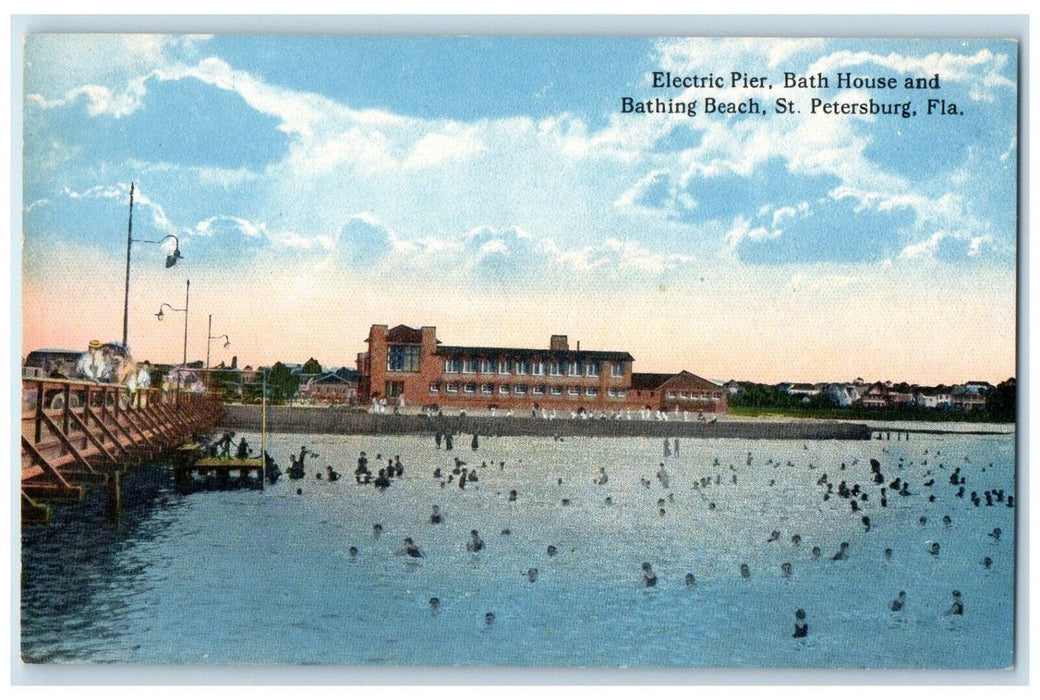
69	565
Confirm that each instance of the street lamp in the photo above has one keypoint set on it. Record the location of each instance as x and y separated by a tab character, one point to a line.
161	316
171	260
210	337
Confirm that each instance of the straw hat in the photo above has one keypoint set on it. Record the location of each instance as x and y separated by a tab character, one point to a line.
94	344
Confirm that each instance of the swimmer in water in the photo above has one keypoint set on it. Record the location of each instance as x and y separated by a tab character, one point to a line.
888	552
410	549
745	571
649	577
815	552
551	551
796	540
899	602
690	581
947	522
489	618
435	605
532	574
801	627
841	554
987	563
512	496
933	548
785	569
995	534
377	530
436	518
506	531
475	544
774	536
957	607
353	552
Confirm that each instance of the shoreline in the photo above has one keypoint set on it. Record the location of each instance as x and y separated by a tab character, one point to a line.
294	419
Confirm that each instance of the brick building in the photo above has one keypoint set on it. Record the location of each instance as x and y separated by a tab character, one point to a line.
411	363
684	391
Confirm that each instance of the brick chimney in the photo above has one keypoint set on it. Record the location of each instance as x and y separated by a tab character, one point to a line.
558	342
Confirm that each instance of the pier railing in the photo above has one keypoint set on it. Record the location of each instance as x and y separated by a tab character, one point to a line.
76	434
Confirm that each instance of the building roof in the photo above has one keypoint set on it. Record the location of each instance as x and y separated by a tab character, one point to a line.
529	353
331	378
652	381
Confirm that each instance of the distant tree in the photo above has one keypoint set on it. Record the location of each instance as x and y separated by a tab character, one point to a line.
282	382
311	366
1000	404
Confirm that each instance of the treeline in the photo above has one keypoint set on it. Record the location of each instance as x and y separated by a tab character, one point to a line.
755	399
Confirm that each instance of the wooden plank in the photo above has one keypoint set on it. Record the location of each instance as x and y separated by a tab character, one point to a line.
92	438
44	464
63	438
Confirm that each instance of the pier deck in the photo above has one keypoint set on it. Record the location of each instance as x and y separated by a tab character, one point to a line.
77	434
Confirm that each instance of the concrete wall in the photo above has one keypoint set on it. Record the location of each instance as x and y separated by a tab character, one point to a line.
284	419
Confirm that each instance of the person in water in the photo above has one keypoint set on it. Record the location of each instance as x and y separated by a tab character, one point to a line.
801	627
551	551
691	580
957	607
435	605
436	518
410	549
649	577
899	602
475	544
352	551
532	574
841	554
745	571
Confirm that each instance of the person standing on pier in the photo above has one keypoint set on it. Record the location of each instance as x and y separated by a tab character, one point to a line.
143	384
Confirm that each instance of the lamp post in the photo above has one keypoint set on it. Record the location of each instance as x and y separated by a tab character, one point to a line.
171	260
210	336
160	316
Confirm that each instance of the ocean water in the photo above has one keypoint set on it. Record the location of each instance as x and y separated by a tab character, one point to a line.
250	576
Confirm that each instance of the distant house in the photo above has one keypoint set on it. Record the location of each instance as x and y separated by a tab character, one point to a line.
684	391
803	389
843	395
330	388
967	398
875	397
933	398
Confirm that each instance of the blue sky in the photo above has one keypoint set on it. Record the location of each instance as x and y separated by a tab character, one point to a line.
490	186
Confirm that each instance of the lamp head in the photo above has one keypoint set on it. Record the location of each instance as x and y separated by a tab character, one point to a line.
159	315
227	343
173	257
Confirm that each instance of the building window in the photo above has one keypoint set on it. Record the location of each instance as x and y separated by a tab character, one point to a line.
592	369
452	388
574	391
435	388
394	389
469	365
686	395
487	388
487	366
591	391
538	391
520	389
520	366
574	369
617	370
537	368
555	369
556	391
669	395
452	365
402	358
469	388
503	366
503	388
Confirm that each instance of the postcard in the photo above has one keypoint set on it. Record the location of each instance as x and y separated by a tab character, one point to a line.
507	351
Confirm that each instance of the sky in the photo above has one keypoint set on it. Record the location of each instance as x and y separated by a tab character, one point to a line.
493	187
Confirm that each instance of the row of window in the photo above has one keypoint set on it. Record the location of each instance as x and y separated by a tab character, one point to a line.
472	388
537	368
690	396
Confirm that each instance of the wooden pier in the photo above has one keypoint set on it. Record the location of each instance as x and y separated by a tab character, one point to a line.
78	434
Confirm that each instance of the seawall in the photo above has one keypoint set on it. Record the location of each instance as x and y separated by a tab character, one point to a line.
287	419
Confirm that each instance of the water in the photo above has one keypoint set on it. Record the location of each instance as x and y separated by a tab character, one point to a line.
265	577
